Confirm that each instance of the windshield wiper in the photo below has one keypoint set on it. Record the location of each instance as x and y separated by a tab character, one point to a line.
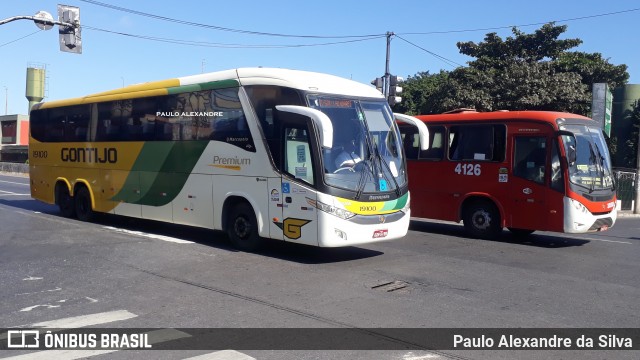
397	189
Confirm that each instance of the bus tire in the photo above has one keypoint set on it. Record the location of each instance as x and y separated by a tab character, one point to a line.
65	201
83	205
482	220
243	228
520	232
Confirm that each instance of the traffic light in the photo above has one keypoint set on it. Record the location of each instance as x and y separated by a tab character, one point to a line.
69	36
378	83
394	90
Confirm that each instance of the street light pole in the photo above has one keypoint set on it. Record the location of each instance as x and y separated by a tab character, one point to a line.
636	207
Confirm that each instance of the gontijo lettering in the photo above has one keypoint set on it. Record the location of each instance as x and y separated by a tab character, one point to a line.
89	155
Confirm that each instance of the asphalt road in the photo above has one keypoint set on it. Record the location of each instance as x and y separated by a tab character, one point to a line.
123	273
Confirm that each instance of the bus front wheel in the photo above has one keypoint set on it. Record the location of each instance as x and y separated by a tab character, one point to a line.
243	228
65	201
83	204
482	220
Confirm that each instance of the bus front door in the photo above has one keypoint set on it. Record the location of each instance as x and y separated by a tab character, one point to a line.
528	191
299	217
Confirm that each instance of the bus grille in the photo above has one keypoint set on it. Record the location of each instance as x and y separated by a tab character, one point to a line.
600	223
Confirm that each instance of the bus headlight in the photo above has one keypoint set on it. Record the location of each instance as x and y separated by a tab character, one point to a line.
578	206
341	213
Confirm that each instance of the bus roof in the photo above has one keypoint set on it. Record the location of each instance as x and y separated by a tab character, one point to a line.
302	80
545	116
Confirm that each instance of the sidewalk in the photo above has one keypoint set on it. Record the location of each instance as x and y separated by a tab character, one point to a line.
627	214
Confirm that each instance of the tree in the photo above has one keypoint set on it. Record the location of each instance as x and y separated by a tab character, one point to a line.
417	91
522	72
630	150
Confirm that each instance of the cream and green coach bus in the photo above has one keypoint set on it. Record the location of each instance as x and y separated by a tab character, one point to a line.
256	152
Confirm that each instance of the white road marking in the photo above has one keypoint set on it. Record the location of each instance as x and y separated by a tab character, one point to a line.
39	292
592	239
14	194
91	299
85	320
13	182
155	337
151	236
29	308
411	356
31	278
222	355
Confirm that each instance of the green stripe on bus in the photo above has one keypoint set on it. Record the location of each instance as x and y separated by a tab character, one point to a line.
174	173
396	204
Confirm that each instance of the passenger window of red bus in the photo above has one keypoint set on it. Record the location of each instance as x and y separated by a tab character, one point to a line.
436	144
471	142
530	158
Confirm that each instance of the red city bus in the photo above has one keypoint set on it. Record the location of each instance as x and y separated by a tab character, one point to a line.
523	170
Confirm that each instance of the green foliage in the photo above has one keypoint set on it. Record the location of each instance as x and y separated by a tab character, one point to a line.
522	72
630	149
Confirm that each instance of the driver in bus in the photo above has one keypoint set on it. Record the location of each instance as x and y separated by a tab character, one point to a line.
348	158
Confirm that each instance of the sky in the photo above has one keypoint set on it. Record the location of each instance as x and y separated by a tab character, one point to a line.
270	34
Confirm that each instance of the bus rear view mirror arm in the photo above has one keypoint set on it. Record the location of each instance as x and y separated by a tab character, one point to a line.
320	118
423	132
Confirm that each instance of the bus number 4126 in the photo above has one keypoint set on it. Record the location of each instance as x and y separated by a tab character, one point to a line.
468	169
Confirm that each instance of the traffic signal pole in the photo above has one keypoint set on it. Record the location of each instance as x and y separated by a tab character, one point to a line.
387	74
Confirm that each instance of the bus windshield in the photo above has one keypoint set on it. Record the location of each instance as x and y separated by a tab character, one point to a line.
592	166
366	156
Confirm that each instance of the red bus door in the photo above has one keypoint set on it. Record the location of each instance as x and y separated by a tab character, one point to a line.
528	190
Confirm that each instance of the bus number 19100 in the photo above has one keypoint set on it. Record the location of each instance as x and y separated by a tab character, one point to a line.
468	169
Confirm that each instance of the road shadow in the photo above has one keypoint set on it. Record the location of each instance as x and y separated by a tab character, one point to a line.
31	205
543	240
288	251
282	250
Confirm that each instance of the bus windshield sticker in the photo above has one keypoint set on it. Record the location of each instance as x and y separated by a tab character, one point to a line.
286	188
383	185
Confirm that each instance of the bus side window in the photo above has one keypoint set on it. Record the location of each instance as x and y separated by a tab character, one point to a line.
477	142
530	158
298	154
436	143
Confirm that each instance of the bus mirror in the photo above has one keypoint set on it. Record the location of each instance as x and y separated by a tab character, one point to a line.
423	132
320	118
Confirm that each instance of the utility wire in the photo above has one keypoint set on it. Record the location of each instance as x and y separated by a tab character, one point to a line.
214	27
521	25
226	45
442	58
10	42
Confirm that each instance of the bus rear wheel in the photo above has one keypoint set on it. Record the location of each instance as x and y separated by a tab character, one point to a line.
83	205
243	228
482	220
65	201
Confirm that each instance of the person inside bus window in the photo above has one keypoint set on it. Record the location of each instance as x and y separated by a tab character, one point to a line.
347	147
347	157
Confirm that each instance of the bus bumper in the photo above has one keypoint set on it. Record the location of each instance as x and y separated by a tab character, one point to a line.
359	230
578	219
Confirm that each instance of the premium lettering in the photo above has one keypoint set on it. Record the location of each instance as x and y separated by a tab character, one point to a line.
219	160
89	155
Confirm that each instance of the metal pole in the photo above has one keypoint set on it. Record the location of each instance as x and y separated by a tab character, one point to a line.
636	206
387	74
